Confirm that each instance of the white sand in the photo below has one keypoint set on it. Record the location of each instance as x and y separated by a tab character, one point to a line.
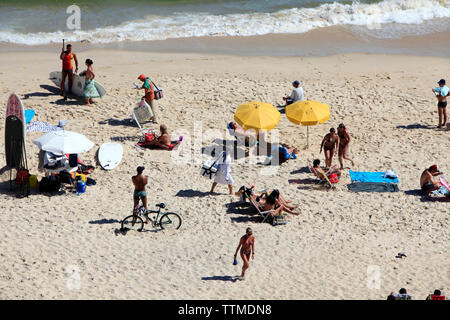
322	254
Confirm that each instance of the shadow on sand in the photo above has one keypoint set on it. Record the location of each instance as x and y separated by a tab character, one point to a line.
222	278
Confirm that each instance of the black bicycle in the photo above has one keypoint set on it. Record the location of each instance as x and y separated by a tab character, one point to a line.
169	220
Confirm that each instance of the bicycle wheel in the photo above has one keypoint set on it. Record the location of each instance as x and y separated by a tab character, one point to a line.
132	223
170	220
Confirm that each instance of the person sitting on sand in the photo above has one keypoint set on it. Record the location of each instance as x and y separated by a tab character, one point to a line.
427	183
149	94
298	94
435	296
162	141
442	92
401	295
139	182
89	89
321	174
330	145
247	246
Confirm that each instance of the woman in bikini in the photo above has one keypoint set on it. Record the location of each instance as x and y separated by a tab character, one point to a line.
330	146
274	201
247	246
344	145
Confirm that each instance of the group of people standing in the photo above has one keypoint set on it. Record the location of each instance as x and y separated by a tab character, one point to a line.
336	143
68	58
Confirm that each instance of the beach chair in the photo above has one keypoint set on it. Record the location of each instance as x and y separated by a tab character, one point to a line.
266	215
322	180
142	113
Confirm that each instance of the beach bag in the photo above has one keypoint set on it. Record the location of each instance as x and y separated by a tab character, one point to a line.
210	167
333	178
158	92
49	184
22	176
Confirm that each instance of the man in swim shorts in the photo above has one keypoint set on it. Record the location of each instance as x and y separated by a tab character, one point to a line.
442	92
427	183
140	181
67	67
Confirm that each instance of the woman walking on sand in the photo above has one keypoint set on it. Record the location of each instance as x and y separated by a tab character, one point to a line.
89	90
247	246
344	145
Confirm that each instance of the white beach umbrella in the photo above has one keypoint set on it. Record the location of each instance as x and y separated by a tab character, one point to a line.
62	141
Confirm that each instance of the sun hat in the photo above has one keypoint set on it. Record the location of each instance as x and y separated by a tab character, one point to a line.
442	81
142	77
296	82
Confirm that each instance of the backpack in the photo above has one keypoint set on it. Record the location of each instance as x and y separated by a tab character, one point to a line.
50	184
22	176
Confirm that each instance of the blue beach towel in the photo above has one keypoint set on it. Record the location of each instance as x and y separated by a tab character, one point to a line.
360	176
29	114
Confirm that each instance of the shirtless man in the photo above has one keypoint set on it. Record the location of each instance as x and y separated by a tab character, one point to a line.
344	145
247	242
427	183
67	67
140	181
330	145
442	92
163	141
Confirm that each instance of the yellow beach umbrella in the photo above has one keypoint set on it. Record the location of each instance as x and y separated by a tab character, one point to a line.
257	115
308	113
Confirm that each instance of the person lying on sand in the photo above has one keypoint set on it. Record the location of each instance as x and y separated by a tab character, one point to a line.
162	141
427	183
323	173
247	135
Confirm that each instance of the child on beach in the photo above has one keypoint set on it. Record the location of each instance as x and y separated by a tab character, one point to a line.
442	92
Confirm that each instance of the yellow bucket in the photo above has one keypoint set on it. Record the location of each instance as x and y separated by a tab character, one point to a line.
83	176
33	181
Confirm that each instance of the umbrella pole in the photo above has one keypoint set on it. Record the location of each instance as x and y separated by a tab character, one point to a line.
307	136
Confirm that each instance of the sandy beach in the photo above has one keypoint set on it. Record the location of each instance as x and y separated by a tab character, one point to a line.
70	247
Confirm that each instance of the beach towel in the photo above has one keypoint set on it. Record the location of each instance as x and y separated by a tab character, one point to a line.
445	184
172	146
361	176
41	126
372	187
89	90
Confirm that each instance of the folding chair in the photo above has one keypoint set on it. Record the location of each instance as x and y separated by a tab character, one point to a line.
209	168
265	215
142	113
321	179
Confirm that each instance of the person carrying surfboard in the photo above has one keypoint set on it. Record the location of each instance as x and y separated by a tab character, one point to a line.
67	67
149	93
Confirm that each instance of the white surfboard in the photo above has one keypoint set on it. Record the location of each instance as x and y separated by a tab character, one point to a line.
78	83
109	155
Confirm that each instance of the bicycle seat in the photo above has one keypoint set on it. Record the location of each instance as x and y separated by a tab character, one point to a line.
161	205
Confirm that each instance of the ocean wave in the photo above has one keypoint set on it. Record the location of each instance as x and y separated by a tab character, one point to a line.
295	20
